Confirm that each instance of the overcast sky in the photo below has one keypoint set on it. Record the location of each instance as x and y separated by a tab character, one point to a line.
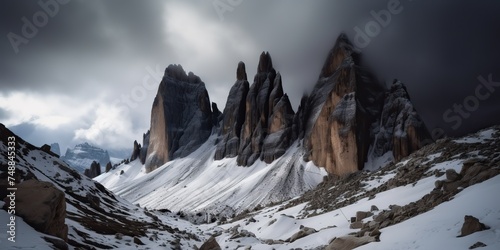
89	70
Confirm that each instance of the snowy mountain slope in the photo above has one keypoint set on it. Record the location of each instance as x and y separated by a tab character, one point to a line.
199	183
416	213
94	215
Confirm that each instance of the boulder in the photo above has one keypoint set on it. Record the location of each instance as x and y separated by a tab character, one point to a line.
303	232
360	215
349	242
42	206
138	241
477	245
452	175
471	225
356	225
210	244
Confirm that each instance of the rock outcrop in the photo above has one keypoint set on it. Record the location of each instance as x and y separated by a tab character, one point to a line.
344	103
144	149
258	120
234	116
210	244
181	117
94	170
348	119
400	130
280	127
42	206
257	109
136	151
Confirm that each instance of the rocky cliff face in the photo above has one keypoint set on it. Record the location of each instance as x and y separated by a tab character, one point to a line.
257	109
94	170
82	156
344	102
347	117
258	120
400	128
181	117
234	116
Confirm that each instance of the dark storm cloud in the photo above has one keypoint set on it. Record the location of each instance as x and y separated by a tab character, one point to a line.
75	41
439	49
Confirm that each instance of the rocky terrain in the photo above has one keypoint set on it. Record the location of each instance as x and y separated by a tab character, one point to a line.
57	207
353	167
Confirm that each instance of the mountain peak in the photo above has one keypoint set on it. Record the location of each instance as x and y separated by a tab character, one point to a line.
241	73
265	63
176	72
342	49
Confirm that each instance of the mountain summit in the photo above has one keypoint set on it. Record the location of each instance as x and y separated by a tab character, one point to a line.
349	118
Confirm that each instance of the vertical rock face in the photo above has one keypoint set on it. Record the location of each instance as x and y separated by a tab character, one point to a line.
280	125
136	151
347	118
257	109
144	149
234	116
343	104
181	117
258	120
400	128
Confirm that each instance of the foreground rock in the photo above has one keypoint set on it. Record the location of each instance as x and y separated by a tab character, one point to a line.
349	242
210	244
42	206
471	225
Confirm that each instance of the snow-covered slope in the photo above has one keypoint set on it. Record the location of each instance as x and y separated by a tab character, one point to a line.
422	207
200	183
94	215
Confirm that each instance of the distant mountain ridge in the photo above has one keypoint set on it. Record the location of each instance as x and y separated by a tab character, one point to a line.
347	120
82	156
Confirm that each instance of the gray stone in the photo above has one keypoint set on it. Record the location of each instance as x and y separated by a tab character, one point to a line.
452	175
471	225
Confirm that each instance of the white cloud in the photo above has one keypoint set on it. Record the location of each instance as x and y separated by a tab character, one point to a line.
109	129
50	111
